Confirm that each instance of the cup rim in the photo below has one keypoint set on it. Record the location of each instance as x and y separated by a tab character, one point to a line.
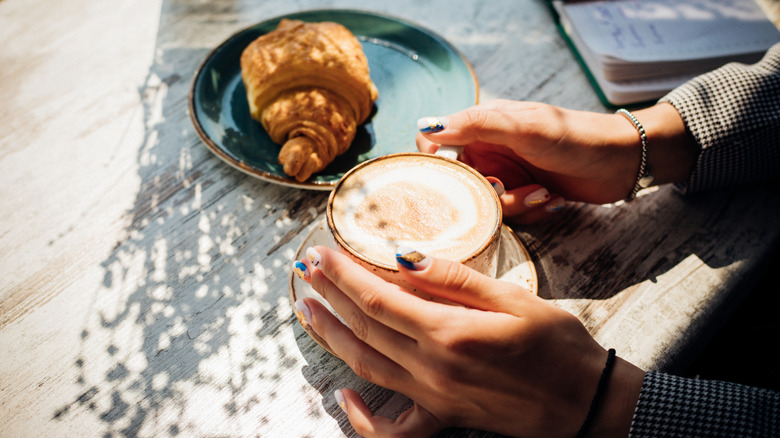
344	245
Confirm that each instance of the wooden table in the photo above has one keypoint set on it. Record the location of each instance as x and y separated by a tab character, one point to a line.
143	282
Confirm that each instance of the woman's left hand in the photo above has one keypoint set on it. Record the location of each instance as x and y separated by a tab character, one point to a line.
500	359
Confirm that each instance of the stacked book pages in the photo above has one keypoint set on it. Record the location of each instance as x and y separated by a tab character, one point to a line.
638	50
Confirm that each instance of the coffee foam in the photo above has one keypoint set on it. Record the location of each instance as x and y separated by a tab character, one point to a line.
427	204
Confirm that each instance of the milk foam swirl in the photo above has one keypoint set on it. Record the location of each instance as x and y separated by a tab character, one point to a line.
430	205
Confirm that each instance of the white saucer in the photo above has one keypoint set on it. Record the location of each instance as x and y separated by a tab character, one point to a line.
514	266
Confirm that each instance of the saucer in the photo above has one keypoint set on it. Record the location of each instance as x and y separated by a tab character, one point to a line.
514	266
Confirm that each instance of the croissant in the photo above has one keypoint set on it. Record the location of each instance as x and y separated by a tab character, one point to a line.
308	84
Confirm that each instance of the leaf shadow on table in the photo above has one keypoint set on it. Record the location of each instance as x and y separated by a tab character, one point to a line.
186	334
191	331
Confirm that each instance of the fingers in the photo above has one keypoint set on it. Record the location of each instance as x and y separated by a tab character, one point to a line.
458	283
537	214
362	324
415	422
364	360
378	312
530	203
486	129
526	204
479	123
425	145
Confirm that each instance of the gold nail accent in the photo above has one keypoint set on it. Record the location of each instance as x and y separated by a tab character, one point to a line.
302	319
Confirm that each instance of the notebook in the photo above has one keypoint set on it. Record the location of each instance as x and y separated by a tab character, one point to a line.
636	51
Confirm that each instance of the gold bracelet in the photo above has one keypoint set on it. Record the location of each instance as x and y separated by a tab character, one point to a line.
643	178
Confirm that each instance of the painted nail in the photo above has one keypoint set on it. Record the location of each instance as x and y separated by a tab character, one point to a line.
302	270
555	205
339	396
430	125
314	257
498	187
411	259
537	197
303	313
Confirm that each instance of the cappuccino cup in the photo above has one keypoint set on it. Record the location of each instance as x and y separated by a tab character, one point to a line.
432	204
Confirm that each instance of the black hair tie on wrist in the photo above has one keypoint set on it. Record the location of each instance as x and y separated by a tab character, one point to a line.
599	393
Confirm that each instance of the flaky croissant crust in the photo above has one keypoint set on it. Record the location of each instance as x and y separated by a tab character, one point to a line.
309	85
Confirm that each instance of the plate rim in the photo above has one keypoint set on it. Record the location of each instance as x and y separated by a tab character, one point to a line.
272	177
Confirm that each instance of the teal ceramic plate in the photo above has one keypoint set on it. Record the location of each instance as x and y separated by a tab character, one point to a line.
417	73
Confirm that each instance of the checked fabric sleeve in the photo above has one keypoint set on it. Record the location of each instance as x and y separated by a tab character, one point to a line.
672	406
734	114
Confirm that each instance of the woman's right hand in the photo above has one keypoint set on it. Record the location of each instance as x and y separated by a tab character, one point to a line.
578	155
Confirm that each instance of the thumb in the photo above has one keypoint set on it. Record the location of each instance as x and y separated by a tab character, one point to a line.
458	283
414	422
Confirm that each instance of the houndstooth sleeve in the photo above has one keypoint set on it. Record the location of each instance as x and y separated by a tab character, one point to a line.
671	406
734	114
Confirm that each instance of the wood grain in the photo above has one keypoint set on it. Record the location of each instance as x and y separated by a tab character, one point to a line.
143	282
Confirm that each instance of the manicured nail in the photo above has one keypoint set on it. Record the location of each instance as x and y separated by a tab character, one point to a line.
430	125
497	186
303	313
314	257
537	197
411	259
302	270
339	396
555	205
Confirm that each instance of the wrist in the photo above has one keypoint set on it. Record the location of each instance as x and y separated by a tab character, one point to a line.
671	150
614	414
643	178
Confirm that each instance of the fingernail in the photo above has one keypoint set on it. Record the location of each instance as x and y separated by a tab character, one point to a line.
303	313
555	205
537	197
314	257
302	270
430	125
339	396
497	186
411	259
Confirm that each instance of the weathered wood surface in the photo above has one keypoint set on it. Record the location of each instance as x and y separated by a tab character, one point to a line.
143	282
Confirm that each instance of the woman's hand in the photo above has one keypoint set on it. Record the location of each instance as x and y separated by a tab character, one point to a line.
501	360
543	154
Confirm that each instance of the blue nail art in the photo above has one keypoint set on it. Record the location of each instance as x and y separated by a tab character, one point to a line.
411	259
430	125
555	205
301	270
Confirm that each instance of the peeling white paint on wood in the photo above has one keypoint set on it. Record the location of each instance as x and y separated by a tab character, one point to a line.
143	282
